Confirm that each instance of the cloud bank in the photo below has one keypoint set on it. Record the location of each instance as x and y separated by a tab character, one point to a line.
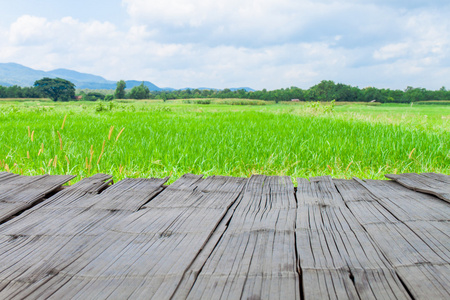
262	44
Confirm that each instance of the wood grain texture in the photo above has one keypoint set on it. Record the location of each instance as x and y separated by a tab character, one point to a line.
430	183
255	257
39	244
222	237
338	258
411	229
145	253
17	192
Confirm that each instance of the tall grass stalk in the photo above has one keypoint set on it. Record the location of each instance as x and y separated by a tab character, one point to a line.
173	139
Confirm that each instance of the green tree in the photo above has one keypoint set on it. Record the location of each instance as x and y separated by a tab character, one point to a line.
55	88
414	94
397	95
140	92
324	91
94	96
120	90
371	93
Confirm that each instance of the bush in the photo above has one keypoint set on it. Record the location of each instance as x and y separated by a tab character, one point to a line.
100	107
94	96
322	108
203	101
109	97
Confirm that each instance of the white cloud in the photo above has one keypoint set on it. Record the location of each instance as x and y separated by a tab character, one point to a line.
234	22
426	43
392	51
28	29
261	44
37	31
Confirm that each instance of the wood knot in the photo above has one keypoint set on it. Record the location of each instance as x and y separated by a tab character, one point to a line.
165	234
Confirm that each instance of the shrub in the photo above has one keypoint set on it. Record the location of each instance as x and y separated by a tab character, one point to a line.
109	97
202	101
94	96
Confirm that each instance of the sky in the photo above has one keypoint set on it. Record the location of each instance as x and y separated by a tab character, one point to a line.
235	43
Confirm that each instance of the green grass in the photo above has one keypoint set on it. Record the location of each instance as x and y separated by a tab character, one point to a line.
170	139
436	102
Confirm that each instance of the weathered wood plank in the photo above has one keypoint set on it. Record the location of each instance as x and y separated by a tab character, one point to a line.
254	258
146	253
6	176
191	275
26	189
144	188
398	202
337	257
93	184
414	238
430	281
223	237
425	184
439	177
34	244
38	245
18	193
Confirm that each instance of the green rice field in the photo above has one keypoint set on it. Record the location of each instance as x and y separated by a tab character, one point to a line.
155	139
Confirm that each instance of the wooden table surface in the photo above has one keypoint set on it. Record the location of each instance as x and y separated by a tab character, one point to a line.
225	238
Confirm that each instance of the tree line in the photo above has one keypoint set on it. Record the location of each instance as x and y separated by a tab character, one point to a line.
327	90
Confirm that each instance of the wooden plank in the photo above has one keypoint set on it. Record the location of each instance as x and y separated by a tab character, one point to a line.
145	253
26	189
414	239
425	184
429	281
191	274
6	176
337	257
436	234
255	257
38	245
93	184
69	196
42	235
223	237
143	188
18	193
197	192
439	177
398	202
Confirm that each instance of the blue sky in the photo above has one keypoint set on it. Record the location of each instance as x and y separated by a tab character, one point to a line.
261	44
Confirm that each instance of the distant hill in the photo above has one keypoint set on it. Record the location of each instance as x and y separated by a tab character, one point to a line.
77	76
16	74
132	83
247	89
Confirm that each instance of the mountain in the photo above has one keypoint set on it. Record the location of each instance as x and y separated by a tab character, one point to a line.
132	83
16	74
77	76
247	89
